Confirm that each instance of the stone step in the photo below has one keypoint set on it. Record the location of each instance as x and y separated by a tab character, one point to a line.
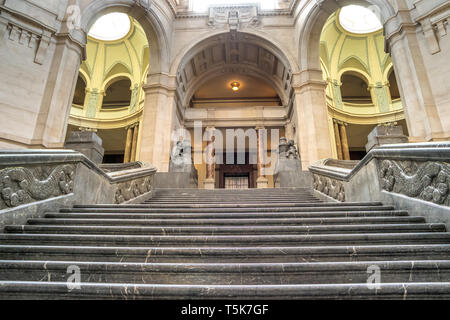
228	273
60	290
227	240
229	215
232	202
212	222
225	230
286	206
163	209
278	254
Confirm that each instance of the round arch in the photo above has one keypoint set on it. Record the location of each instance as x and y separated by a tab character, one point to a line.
280	81
312	21
117	77
147	18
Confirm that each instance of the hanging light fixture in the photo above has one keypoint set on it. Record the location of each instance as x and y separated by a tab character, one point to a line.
235	86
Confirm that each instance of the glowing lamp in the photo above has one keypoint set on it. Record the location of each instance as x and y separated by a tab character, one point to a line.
235	86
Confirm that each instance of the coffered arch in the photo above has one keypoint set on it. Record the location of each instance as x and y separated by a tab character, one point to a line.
239	52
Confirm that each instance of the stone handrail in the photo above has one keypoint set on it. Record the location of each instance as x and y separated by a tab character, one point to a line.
413	176
32	181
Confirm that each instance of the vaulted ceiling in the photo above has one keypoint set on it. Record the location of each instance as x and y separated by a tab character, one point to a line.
236	54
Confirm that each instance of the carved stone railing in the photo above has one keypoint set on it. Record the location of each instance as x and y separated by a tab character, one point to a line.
32	181
410	176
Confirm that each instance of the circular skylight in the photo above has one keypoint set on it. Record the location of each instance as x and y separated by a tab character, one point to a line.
357	19
111	27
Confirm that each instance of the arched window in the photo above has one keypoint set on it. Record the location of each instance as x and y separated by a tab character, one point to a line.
117	94
354	89
393	86
80	92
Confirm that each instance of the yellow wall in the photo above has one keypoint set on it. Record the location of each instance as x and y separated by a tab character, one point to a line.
106	63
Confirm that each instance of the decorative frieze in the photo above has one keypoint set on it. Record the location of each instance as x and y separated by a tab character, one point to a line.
429	181
39	42
234	16
435	27
331	187
129	190
20	185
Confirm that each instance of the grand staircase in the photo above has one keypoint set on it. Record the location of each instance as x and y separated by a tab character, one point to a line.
224	244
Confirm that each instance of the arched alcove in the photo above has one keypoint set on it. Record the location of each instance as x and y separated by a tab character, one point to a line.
393	86
354	89
117	94
80	92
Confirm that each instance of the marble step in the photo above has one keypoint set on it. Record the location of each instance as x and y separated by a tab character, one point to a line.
229	215
203	241
187	209
222	222
60	290
278	254
231	201
234	198
225	230
228	273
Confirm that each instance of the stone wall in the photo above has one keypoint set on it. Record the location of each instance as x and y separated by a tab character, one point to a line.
32	182
414	177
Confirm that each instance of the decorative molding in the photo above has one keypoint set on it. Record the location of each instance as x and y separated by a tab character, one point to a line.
331	187
236	17
127	191
426	180
435	27
20	185
32	40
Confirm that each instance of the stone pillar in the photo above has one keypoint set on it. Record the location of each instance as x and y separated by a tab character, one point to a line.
262	182
158	123
311	117
128	143
210	155
419	102
338	140
344	141
385	134
87	143
135	140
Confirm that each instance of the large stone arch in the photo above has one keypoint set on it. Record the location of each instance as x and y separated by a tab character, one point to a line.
312	21
150	20
403	43
284	65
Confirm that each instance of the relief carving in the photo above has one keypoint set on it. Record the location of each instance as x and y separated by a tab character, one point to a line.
429	181
130	190
21	185
330	187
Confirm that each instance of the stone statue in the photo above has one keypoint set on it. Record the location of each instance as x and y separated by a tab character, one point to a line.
292	152
287	150
210	159
181	154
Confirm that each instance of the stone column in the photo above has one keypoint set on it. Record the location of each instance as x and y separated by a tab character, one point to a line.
311	117
158	122
338	140
413	72
135	140
344	141
210	154
262	182
128	145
